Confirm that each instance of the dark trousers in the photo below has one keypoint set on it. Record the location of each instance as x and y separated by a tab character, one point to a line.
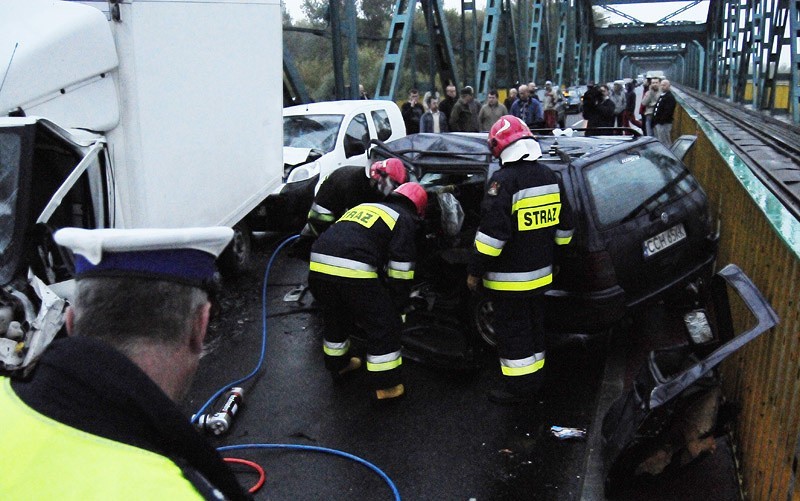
366	304
519	324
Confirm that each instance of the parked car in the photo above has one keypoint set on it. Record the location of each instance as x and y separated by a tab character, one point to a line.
573	97
318	138
643	228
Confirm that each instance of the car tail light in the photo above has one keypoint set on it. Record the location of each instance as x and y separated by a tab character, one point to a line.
600	271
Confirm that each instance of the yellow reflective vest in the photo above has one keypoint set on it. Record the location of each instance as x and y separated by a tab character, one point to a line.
44	459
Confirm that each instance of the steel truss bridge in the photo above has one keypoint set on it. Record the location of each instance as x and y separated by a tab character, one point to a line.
734	54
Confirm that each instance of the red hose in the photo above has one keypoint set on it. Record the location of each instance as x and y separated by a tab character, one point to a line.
261	475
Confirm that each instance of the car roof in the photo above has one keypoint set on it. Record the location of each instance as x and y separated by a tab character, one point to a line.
461	151
337	107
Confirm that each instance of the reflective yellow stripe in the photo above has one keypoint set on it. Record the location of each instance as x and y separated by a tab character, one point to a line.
488	245
522	285
563	237
487	249
522	370
400	275
552	198
320	217
380	363
339	271
335	349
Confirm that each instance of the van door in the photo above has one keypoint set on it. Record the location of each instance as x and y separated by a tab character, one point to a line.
49	181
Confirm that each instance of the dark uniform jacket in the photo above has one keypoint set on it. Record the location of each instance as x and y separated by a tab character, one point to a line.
343	189
411	116
85	384
524	214
665	108
370	241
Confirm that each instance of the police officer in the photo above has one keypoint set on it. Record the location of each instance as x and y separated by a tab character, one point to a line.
98	417
524	214
360	271
347	187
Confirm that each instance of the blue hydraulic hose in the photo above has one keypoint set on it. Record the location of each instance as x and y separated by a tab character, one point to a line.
314	448
219	392
225	388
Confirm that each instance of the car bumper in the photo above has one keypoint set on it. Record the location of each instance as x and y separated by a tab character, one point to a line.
584	313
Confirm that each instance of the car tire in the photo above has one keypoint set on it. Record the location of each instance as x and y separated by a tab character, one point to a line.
235	259
482	319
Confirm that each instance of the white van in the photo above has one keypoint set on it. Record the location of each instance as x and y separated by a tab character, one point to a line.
318	138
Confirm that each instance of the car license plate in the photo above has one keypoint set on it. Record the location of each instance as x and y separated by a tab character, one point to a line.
664	240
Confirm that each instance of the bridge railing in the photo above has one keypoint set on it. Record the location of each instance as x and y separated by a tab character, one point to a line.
760	236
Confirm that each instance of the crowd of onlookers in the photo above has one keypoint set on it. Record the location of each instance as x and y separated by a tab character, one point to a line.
461	112
606	105
614	105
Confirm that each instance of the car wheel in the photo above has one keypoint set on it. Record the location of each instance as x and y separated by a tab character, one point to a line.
483	320
235	258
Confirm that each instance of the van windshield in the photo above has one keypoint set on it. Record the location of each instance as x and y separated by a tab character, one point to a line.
312	131
627	183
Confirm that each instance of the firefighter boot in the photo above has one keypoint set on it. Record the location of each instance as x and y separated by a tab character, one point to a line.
341	374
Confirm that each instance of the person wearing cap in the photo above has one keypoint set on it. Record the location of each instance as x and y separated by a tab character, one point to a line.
525	213
98	417
360	272
464	116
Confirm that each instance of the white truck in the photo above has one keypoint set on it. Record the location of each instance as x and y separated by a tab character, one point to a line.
128	114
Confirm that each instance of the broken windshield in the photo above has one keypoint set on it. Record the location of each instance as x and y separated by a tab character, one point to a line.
312	131
15	157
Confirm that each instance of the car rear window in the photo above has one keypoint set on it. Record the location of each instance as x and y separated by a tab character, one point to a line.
620	186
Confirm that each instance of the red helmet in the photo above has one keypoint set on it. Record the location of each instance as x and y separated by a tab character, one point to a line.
417	194
389	174
507	130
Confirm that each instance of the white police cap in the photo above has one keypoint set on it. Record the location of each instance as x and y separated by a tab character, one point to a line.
185	255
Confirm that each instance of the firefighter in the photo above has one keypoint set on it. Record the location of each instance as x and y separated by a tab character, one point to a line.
524	215
99	418
360	272
347	187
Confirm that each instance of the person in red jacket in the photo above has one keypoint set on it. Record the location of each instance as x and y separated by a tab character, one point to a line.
525	213
360	272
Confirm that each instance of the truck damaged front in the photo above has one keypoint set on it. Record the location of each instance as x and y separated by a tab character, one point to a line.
49	179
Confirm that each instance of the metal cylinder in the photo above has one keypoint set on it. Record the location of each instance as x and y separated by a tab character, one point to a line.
220	421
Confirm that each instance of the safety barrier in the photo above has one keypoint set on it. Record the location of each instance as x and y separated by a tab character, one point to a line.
760	236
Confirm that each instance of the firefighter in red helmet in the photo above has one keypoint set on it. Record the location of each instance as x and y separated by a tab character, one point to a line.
524	215
360	272
347	187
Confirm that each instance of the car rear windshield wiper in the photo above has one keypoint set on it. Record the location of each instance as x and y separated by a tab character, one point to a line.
639	208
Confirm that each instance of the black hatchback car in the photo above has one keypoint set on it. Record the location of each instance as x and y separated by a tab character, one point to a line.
643	226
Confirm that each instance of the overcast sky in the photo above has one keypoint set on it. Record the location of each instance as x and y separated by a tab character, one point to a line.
646	12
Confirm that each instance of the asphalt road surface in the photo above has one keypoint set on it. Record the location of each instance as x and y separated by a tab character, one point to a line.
443	441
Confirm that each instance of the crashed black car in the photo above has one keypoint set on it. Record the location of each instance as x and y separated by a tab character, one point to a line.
643	228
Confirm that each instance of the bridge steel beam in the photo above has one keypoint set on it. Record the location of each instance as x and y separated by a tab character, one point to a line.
401	36
534	41
561	43
471	49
